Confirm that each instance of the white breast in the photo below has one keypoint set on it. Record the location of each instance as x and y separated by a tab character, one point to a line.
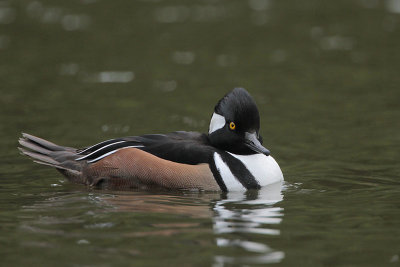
231	183
264	168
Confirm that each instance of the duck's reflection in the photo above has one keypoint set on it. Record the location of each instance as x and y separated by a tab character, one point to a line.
253	213
244	225
242	221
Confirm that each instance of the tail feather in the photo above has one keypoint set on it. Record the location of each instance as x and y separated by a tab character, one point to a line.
33	146
44	143
50	165
39	157
47	153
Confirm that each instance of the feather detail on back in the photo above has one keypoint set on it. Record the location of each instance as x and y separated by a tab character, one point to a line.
130	162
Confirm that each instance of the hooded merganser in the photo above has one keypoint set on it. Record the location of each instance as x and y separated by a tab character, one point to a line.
229	158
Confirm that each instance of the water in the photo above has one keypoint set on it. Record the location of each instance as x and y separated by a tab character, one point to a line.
325	77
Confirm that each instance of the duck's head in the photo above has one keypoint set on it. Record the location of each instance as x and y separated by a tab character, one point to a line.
235	124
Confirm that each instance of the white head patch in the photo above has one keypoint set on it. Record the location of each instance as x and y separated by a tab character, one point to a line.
217	122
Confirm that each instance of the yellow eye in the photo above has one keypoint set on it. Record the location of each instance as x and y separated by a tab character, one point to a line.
232	126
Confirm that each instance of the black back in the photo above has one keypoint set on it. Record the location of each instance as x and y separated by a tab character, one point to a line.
181	147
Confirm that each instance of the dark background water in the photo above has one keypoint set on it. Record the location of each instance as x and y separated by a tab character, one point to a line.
325	75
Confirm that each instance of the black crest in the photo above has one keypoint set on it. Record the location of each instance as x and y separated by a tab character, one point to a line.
238	106
240	134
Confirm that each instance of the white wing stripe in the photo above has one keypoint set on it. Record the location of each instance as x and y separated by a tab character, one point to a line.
88	155
98	144
109	153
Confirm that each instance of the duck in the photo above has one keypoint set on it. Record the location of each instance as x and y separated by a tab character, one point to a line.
230	157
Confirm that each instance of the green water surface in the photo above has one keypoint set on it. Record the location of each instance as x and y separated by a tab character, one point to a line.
325	75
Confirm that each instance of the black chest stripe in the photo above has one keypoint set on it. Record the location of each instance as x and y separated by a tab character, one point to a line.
217	176
239	170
